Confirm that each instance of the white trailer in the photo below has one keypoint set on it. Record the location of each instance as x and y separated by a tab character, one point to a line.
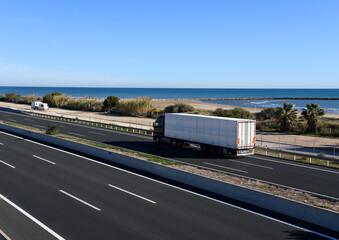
214	134
39	106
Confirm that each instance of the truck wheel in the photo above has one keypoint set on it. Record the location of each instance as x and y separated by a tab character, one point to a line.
219	151
174	143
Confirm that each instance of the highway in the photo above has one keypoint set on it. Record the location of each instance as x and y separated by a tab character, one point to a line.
48	193
312	178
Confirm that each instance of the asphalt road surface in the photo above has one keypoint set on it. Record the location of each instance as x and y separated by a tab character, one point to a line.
47	193
312	178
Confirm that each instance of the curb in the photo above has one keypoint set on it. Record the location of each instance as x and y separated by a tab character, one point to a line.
314	215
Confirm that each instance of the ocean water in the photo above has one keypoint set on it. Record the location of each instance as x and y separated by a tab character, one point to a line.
193	93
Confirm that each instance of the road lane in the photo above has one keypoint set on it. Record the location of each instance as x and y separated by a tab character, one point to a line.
315	179
178	214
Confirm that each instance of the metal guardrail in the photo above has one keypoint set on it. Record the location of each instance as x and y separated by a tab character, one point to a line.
96	124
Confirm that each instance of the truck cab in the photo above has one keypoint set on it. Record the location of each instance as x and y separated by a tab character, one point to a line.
158	127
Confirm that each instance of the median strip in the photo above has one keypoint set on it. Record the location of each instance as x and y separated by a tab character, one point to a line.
133	194
44	159
78	199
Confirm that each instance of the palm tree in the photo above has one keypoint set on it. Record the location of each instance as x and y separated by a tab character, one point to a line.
286	116
311	114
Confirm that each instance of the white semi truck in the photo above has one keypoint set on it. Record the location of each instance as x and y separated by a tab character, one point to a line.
220	135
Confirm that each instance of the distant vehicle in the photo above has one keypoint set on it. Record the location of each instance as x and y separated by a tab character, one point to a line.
39	106
220	135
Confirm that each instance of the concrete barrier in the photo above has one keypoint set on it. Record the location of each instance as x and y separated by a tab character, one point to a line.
318	216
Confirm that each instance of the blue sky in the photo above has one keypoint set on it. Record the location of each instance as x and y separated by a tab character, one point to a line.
170	43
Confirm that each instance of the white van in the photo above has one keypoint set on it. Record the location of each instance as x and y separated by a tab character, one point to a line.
39	106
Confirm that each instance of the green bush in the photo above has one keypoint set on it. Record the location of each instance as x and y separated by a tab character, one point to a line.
60	100
266	114
85	104
234	113
110	103
179	108
48	99
52	129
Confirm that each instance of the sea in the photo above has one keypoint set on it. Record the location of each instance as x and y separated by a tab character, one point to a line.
330	106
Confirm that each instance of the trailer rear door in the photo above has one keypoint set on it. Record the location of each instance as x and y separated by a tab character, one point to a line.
246	134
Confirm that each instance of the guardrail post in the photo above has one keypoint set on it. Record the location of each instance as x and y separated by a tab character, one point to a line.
310	160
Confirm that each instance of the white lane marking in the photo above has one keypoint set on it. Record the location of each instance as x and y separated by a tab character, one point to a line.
61	126
296	165
29	120
1	143
78	199
44	159
215	165
131	193
32	218
13	120
39	126
11	135
77	134
9	165
102	134
181	189
252	164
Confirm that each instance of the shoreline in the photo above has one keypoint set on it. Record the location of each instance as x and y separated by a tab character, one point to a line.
251	98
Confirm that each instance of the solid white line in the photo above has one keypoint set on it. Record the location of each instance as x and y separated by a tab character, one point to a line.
82	201
44	159
102	134
11	135
32	218
252	164
181	189
9	165
225	167
77	134
296	165
39	126
1	143
131	193
13	120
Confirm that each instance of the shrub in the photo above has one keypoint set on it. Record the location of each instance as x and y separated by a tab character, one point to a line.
266	114
110	103
52	129
48	99
60	100
140	105
10	96
234	113
2	97
179	108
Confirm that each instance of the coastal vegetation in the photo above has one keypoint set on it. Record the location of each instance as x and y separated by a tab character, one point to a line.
284	119
233	113
286	116
179	108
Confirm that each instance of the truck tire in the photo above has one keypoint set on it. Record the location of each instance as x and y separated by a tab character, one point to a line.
219	151
174	143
